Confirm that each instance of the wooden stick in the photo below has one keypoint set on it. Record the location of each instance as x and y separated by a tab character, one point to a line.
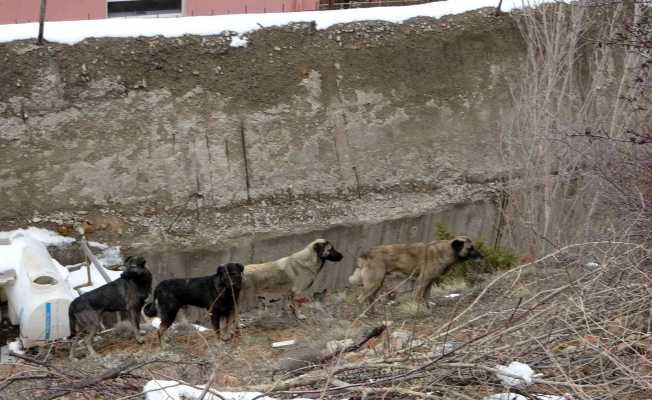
96	263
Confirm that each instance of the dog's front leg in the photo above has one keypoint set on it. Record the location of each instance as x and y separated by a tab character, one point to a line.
225	328
72	349
216	320
161	331
294	307
89	341
135	321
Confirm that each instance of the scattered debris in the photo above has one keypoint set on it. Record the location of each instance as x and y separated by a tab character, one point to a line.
516	374
452	295
284	343
338	345
403	339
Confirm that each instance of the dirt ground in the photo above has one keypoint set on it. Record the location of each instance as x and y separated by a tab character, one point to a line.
249	361
583	329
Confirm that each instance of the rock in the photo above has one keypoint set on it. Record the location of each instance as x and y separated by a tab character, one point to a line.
300	358
335	346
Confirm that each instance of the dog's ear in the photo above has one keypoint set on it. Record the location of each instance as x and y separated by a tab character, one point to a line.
457	245
319	248
221	270
240	267
139	261
133	273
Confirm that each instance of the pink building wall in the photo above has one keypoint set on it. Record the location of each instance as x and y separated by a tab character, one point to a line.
18	11
216	7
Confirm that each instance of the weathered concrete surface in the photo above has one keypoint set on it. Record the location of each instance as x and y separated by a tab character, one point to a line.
202	146
477	219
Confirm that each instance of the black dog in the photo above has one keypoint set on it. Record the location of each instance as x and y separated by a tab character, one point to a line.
127	293
217	293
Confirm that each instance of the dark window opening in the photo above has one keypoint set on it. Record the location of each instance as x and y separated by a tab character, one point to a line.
122	8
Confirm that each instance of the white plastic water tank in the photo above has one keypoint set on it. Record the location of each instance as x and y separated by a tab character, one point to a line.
40	295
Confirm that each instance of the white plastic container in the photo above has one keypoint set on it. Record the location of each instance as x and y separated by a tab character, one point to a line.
40	295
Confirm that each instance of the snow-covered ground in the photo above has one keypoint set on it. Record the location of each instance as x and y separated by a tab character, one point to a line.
156	322
514	396
47	237
173	390
108	256
71	32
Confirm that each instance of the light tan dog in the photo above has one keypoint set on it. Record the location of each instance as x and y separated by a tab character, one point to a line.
111	224
426	261
289	276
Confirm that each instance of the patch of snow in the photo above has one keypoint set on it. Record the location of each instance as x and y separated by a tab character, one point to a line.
45	236
110	256
10	256
516	373
239	41
72	32
156	323
283	343
173	390
98	245
444	348
592	265
514	396
80	277
452	295
15	347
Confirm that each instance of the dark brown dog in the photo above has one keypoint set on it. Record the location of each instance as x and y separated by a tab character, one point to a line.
426	261
127	293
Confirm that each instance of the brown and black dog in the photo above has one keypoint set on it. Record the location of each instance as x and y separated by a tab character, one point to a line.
217	293
427	261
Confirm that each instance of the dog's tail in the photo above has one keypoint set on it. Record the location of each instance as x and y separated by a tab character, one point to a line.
356	278
150	310
72	320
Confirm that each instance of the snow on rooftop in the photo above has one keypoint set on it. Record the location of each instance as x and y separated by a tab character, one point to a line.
72	32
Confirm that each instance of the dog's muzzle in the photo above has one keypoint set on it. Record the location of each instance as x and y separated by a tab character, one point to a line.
475	255
334	256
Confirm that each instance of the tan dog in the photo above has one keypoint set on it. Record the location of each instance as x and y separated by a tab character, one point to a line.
427	261
111	224
289	276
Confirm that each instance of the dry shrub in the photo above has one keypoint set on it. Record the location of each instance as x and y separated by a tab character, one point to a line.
581	169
